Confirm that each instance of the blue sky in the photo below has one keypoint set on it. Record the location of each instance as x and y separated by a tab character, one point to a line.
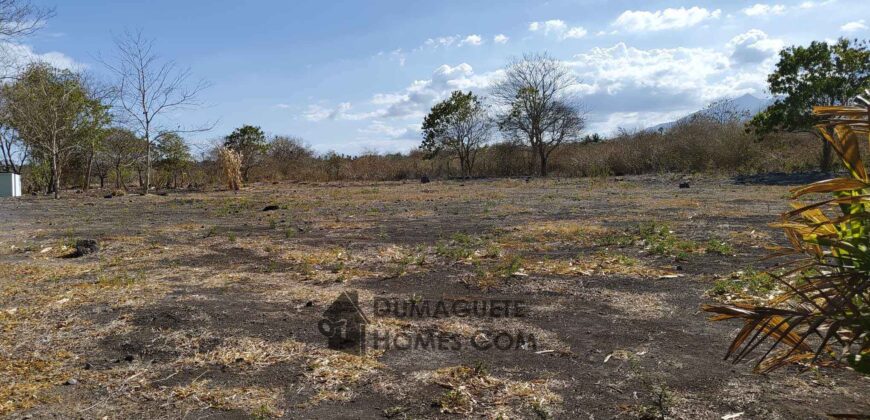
353	76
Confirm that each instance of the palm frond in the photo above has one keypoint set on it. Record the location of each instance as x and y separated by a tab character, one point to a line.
821	315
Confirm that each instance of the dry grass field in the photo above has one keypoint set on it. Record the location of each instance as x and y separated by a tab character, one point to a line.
204	305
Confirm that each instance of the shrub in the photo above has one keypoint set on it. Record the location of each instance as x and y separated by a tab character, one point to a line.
822	314
231	168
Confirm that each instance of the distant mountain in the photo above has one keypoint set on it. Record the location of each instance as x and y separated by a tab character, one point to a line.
746	104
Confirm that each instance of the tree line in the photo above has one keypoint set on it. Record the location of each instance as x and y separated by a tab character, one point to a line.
66	128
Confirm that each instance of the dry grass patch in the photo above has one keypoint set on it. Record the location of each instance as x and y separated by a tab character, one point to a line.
643	306
334	373
326	265
255	401
23	381
472	390
250	353
546	235
599	264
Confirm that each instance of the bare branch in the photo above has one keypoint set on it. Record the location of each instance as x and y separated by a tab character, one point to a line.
20	18
148	88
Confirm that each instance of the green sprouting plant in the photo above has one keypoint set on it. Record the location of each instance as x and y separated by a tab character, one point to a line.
461	246
661	240
716	246
749	282
510	265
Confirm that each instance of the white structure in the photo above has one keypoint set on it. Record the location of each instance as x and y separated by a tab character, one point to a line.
10	185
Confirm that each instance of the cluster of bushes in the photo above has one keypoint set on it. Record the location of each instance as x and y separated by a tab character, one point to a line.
697	146
692	147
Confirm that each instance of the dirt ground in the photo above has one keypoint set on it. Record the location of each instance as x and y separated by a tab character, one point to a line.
201	304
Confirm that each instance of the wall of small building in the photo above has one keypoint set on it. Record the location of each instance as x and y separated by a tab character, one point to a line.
10	185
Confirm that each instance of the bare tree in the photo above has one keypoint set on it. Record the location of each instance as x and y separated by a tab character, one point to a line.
18	18
148	88
724	111
537	105
288	148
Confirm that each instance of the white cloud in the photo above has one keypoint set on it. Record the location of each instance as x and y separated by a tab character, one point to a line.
621	67
416	99
553	25
858	25
812	4
452	41
473	39
380	128
443	41
500	39
575	32
760	9
317	113
413	101
659	20
17	56
386	98
282	106
396	55
382	136
753	47
628	87
558	28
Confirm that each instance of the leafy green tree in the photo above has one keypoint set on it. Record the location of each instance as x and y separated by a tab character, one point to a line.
816	75
122	149
94	136
53	112
173	156
459	125
592	138
251	143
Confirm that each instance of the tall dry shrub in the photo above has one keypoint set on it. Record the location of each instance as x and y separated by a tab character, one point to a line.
231	167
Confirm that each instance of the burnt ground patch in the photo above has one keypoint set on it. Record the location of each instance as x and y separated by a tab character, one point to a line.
202	305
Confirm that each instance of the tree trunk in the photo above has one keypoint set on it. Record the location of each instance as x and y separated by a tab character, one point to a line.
543	156
55	174
87	182
49	187
826	163
117	177
102	181
147	165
